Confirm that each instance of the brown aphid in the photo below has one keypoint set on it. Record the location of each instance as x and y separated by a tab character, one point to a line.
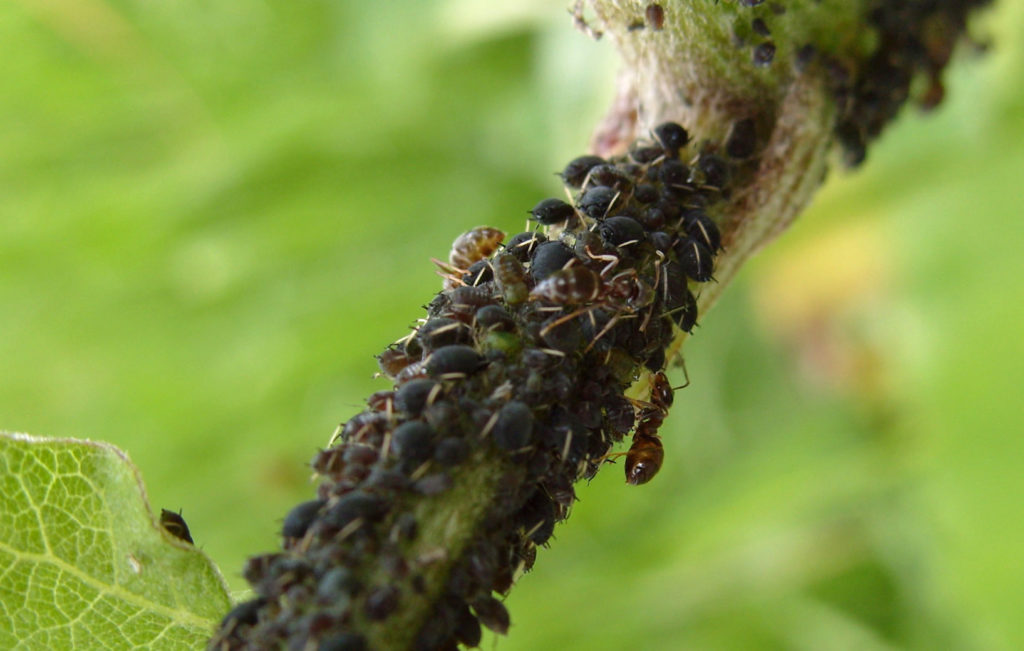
655	16
393	360
175	525
572	286
473	245
510	278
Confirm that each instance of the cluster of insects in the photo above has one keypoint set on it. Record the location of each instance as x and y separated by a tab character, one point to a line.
527	353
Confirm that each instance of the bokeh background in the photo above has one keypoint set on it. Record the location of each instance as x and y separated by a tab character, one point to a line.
212	215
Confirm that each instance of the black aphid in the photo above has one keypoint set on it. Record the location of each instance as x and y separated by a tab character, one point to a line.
175	525
297	522
597	201
413	441
513	428
552	211
549	258
700	227
578	168
695	258
523	245
353	505
381	602
454	361
764	54
671	136
620	230
412	397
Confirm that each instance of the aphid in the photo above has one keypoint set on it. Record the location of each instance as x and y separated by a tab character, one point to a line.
245	613
363	455
578	168
674	175
452	362
523	245
760	27
804	56
661	241
596	202
413	396
671	136
353	505
336	582
479	272
413	441
563	335
393	360
537	517
700	227
297	522
175	525
852	140
751	3
473	245
621	230
380	400
763	54
552	211
645	193
654	15
646	155
381	602
494	317
441	331
609	176
510	278
742	139
434	484
696	260
467	627
572	286
513	428
470	297
714	170
549	258
451	451
405	528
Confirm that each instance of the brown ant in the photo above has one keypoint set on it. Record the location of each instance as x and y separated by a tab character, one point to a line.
646	454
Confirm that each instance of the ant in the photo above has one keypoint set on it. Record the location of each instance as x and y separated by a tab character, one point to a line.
646	454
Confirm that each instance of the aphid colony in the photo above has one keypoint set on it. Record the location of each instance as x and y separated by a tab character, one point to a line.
525	354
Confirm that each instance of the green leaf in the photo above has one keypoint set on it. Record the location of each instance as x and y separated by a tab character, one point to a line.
83	563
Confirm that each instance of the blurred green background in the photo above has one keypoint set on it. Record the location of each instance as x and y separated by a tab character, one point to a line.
212	215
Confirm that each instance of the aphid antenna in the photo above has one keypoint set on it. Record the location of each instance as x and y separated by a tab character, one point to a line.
420	471
568	444
618	193
489	425
385	445
349	529
336	434
435	391
552	352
